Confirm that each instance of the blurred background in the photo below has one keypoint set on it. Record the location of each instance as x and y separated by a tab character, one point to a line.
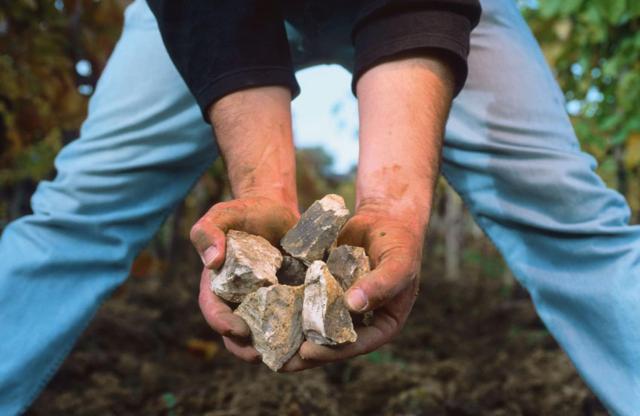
473	345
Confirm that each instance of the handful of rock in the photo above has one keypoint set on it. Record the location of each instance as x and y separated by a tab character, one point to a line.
287	298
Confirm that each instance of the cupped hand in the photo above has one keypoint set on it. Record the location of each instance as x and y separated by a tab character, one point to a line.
394	246
261	216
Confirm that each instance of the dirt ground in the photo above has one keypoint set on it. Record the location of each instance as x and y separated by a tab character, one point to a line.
471	347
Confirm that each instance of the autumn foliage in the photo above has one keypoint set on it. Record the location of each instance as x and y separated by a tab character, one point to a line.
43	98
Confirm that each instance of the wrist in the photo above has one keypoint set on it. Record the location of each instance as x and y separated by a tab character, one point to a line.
414	209
267	170
281	193
253	131
400	197
403	107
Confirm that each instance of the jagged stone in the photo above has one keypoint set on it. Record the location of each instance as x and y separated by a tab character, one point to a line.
317	230
274	316
325	317
250	263
292	271
347	264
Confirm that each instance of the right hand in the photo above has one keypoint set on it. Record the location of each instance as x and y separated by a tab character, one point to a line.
266	217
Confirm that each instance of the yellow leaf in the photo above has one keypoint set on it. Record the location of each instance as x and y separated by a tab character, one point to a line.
204	348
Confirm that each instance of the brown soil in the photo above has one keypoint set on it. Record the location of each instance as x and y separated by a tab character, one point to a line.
471	347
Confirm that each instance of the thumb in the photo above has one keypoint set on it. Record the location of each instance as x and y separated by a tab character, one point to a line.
208	234
394	273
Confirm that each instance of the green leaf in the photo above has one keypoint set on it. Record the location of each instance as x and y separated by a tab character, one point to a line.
569	7
628	90
619	137
550	8
611	121
634	8
613	10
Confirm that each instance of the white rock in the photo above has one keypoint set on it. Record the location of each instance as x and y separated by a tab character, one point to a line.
325	317
312	237
250	263
274	316
347	264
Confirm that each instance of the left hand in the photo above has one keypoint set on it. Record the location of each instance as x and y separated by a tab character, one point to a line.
395	247
403	105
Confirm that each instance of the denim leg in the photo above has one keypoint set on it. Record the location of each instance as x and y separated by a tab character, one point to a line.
141	148
511	153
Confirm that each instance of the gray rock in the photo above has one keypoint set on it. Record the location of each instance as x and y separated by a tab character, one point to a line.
317	230
347	264
292	271
325	317
274	316
250	263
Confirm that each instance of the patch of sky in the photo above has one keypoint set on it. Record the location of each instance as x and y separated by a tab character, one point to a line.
594	95
574	107
325	115
83	68
577	70
85	89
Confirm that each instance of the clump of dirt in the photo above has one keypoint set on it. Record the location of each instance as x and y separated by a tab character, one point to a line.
471	347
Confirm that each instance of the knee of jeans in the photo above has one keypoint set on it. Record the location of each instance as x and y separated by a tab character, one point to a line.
67	218
63	244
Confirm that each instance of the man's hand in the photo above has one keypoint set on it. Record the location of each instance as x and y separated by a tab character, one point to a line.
394	246
262	216
253	132
403	107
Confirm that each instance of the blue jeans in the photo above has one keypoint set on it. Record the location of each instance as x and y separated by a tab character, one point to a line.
509	151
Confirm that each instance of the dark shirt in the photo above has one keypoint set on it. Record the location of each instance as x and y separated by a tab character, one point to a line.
222	46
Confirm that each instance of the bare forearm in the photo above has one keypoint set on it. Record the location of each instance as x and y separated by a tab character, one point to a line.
253	131
403	107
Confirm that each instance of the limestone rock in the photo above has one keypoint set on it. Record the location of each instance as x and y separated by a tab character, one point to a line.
274	316
347	264
325	317
250	263
292	271
317	230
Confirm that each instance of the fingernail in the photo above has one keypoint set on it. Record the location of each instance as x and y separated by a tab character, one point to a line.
301	352
209	255
357	299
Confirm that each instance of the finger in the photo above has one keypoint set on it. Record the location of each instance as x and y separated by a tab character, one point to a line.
208	234
244	352
390	277
218	314
393	251
369	339
296	363
398	309
386	324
